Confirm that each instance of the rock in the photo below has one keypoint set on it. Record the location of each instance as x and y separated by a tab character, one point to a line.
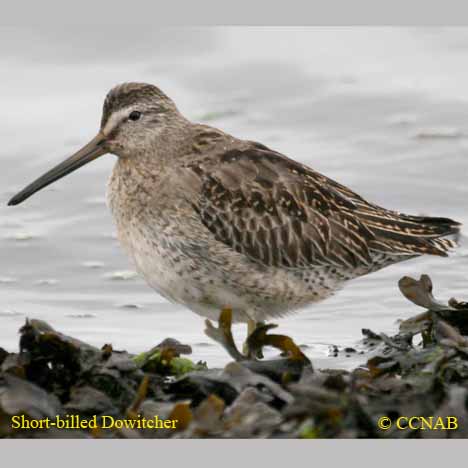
197	386
251	416
24	400
88	401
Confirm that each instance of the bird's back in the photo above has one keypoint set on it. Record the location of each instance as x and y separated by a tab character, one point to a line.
282	213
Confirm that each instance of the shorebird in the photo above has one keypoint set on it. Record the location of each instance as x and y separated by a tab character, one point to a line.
214	222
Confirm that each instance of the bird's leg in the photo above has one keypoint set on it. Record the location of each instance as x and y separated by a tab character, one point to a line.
252	325
223	334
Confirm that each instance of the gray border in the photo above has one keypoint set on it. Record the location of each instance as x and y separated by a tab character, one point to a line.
227	453
238	12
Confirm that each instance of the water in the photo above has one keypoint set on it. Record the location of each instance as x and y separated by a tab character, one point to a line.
383	111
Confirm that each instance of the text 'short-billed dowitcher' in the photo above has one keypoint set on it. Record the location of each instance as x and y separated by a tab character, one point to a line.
213	222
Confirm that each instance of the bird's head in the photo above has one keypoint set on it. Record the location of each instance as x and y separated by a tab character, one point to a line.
135	117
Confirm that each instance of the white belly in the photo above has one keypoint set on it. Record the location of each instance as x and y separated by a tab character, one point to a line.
179	278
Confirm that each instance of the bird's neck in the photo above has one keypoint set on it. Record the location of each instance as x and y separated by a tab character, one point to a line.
159	154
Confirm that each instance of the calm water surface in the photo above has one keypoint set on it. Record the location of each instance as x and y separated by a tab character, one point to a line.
384	111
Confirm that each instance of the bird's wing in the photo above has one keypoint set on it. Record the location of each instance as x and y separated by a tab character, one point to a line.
278	211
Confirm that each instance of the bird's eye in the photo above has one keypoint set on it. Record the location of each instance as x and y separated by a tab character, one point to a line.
134	115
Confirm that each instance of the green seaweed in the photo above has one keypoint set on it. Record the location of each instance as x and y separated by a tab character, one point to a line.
163	362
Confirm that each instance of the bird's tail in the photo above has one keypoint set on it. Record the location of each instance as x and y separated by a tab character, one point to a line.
406	235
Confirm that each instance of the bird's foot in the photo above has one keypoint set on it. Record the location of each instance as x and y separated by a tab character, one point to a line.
260	338
255	341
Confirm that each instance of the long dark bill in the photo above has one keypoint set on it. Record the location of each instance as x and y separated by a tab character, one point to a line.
88	153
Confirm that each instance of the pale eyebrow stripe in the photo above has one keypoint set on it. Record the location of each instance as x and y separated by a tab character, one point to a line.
115	118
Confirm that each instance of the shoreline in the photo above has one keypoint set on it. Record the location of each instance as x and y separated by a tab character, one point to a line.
412	384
